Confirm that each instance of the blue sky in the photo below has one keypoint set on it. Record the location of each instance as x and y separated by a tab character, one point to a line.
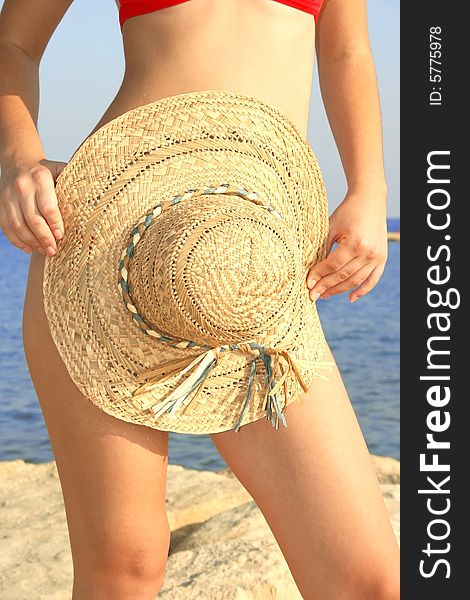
83	66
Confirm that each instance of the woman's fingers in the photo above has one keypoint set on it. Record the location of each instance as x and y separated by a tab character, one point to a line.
37	224
47	203
334	279
18	227
18	243
15	227
25	219
29	214
9	233
347	266
355	280
368	284
335	261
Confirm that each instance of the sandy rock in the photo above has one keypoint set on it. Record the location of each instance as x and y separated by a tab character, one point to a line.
188	500
35	561
233	555
221	546
243	569
241	522
387	468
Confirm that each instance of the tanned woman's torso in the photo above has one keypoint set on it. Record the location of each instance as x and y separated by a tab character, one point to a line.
255	47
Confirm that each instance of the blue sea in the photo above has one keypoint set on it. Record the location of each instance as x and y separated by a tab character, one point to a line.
364	338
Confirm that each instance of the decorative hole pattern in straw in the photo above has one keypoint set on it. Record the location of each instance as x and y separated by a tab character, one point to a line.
164	321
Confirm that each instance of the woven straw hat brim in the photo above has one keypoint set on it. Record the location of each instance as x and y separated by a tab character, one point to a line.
153	152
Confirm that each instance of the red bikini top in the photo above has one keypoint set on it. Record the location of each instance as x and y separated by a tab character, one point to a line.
132	8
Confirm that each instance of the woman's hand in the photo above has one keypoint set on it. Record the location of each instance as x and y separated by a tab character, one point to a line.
29	212
359	227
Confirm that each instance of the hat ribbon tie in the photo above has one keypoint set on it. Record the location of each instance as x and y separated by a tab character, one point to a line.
274	413
202	365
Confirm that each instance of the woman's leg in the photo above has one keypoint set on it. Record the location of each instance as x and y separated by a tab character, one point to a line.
112	473
316	486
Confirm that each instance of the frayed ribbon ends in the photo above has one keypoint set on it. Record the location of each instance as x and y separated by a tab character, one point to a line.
202	365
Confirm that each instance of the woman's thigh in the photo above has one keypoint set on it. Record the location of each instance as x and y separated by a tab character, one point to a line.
112	473
315	483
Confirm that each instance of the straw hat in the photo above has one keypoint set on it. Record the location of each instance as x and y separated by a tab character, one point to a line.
178	298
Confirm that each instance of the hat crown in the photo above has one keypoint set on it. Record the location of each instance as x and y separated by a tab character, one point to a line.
216	269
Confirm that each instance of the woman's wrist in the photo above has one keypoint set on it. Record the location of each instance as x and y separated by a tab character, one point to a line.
19	160
376	193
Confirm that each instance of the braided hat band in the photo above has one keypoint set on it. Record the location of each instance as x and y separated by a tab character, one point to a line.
177	298
203	364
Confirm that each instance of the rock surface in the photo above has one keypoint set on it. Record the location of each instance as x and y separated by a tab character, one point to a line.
221	546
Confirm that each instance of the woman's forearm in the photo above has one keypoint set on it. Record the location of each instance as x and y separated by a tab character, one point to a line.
350	94
19	105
